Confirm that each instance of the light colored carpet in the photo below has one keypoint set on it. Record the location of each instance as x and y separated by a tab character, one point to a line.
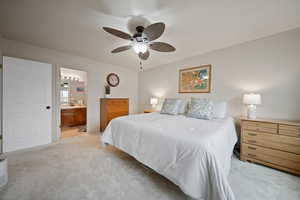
79	169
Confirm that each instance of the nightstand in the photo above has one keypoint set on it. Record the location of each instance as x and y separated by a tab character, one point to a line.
149	111
273	143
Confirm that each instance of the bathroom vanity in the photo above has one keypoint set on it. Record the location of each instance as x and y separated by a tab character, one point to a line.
73	115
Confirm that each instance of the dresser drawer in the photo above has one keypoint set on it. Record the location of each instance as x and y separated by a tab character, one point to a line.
284	159
289	130
274	141
259	124
260	129
116	114
113	107
117	102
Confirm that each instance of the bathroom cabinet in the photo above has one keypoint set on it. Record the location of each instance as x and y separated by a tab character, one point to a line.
73	116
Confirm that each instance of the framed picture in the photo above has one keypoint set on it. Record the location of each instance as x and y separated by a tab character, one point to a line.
195	79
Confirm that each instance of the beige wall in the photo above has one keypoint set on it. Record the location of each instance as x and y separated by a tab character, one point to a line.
269	66
96	75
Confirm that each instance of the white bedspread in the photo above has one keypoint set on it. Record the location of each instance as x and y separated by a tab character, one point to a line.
194	154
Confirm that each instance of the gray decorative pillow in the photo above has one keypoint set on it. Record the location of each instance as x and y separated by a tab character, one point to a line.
201	109
183	106
171	106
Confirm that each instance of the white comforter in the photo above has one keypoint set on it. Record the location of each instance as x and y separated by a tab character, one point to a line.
194	154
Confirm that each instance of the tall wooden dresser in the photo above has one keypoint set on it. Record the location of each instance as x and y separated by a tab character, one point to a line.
111	108
272	143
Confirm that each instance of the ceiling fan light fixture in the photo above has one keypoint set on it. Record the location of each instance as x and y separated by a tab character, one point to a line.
142	41
140	47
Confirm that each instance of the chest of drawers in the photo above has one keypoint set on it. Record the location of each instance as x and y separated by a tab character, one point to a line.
111	108
272	143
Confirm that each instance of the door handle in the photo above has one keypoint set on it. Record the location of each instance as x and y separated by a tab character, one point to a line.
48	107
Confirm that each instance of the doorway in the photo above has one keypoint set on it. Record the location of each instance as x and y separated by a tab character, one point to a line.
73	102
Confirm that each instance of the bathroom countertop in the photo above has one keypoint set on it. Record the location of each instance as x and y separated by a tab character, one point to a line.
72	107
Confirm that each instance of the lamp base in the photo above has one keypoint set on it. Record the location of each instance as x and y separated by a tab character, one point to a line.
153	105
251	114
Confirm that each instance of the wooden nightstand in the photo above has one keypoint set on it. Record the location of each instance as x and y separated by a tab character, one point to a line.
273	143
149	111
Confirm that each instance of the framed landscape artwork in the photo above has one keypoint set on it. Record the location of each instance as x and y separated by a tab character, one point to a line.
195	80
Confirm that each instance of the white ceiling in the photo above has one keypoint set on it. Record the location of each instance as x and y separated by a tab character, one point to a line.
192	26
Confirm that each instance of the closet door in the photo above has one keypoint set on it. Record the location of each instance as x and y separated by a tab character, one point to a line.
27	90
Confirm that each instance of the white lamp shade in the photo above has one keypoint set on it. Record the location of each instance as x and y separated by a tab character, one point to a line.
252	99
153	101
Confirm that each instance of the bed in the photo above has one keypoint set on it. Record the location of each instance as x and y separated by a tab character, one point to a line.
194	154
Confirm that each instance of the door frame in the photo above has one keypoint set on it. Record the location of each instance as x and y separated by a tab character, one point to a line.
57	98
56	130
1	104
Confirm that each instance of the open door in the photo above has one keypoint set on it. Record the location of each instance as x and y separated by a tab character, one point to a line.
27	91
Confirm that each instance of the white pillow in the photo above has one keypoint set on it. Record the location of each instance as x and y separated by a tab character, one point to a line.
220	109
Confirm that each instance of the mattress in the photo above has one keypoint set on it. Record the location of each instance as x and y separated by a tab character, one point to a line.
194	154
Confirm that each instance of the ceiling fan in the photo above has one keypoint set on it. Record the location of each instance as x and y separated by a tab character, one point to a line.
142	40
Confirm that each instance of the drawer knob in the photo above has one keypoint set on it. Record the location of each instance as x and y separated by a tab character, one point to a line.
252	134
253	148
251	141
251	155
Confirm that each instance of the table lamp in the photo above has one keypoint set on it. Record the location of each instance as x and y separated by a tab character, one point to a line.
153	102
252	100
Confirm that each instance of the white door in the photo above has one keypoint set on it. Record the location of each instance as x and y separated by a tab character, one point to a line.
27	90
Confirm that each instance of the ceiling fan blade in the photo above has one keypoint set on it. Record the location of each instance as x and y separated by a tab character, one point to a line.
117	33
162	47
122	48
154	31
144	56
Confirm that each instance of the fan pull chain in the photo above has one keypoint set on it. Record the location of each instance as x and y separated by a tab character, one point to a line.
141	66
